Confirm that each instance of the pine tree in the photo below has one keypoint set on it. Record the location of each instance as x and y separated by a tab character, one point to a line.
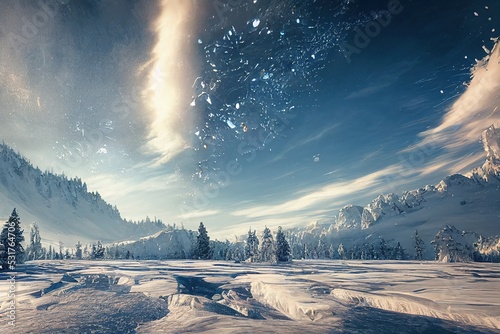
282	247
367	252
61	250
331	252
97	251
11	238
354	253
322	248
99	254
35	250
341	251
267	247
399	253
252	246
78	253
238	252
450	245
382	250
419	246
50	254
93	252
202	246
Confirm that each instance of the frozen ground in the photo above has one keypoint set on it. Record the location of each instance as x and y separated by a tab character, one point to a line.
224	297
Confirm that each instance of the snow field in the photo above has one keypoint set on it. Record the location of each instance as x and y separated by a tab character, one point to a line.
225	297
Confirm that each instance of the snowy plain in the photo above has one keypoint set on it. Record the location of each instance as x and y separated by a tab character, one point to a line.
226	297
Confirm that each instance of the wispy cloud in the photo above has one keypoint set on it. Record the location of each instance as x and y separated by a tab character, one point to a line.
333	194
140	191
383	81
304	141
461	127
367	91
199	214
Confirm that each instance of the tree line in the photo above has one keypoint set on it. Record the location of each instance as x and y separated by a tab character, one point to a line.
450	245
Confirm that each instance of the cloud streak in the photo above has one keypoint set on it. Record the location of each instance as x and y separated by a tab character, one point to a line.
171	72
326	196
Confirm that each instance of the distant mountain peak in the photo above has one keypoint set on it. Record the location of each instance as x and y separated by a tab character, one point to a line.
390	205
489	172
491	142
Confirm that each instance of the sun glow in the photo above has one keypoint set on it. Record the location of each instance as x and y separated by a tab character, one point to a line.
171	69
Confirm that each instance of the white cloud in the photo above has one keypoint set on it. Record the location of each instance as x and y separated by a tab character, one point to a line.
333	194
461	127
198	214
139	192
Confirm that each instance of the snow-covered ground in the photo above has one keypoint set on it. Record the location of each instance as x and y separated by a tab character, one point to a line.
225	297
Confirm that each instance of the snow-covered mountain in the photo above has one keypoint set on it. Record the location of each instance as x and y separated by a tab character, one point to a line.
170	243
468	202
63	208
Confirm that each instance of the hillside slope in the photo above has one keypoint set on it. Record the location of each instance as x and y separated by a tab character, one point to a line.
63	208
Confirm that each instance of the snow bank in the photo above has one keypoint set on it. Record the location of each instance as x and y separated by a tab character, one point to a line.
412	305
290	301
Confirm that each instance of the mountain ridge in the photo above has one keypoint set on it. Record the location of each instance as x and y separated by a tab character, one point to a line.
63	207
470	203
388	205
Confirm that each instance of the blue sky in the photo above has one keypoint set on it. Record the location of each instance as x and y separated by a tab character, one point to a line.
248	113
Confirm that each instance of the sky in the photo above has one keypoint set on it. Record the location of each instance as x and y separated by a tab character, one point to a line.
247	113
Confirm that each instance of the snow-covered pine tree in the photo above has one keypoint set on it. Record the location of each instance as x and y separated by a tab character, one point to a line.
61	250
331	252
116	254
341	251
202	247
219	249
238	252
382	252
367	251
93	252
354	252
228	254
282	247
267	247
399	253
322	248
451	245
34	251
11	238
2	256
252	246
97	251
487	249
49	254
419	246
78	253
